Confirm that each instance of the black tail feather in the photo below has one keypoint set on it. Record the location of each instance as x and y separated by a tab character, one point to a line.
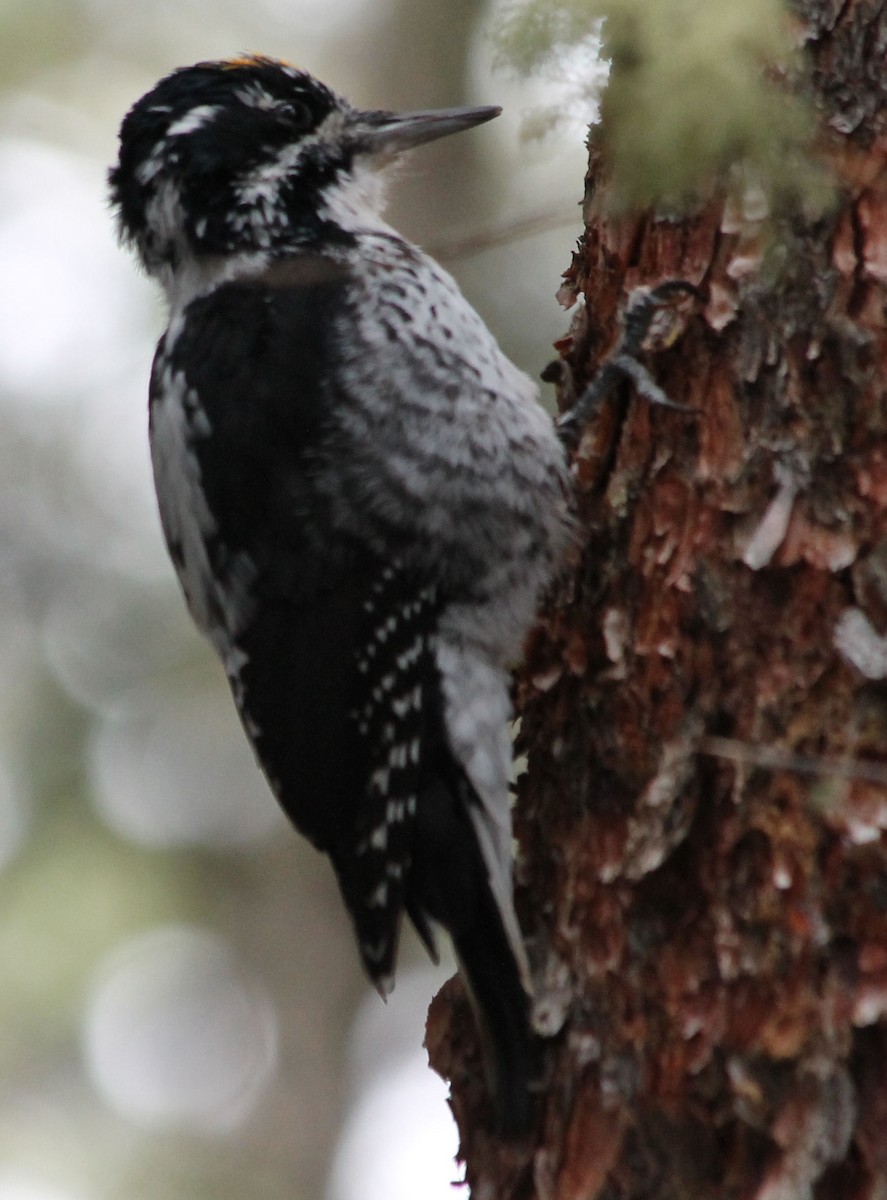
502	1010
449	883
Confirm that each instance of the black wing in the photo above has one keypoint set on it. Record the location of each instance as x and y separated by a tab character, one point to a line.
331	658
332	663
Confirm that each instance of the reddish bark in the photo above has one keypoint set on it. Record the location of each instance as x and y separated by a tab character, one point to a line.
703	821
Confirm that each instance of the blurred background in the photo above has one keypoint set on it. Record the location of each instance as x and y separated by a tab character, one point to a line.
181	1009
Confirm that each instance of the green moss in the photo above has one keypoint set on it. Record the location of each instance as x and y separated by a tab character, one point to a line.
532	33
697	89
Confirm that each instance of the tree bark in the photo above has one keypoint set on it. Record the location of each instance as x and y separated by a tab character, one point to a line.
703	821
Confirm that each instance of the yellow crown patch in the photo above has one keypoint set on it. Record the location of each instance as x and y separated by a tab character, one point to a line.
256	60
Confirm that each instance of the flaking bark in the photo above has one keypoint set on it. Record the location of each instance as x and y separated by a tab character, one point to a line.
703	820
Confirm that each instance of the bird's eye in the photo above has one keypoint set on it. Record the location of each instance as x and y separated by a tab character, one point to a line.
296	114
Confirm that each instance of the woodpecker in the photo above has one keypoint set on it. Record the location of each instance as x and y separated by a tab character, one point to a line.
362	498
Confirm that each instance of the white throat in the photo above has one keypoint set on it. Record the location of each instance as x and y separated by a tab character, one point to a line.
194	277
356	202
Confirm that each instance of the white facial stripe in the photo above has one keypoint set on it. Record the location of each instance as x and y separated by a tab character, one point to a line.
256	96
264	182
192	120
356	204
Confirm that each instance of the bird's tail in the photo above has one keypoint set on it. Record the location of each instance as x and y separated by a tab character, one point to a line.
450	883
502	1010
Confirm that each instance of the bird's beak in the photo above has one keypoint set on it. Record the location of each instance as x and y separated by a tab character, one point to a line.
386	133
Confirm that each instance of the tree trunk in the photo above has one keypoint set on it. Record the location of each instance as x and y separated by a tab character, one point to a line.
703	821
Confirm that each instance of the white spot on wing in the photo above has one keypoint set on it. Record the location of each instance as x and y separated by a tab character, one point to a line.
379	837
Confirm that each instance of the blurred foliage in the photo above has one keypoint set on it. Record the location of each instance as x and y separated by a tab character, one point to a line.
129	800
698	94
44	942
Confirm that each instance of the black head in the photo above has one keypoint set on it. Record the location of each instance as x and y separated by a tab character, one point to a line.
252	155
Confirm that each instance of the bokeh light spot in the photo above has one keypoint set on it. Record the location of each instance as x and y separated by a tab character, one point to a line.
396	1090
14	817
179	772
15	1185
177	1034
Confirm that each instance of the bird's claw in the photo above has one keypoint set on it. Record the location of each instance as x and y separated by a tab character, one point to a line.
639	323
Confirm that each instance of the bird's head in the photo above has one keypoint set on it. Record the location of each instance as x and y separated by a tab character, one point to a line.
252	155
